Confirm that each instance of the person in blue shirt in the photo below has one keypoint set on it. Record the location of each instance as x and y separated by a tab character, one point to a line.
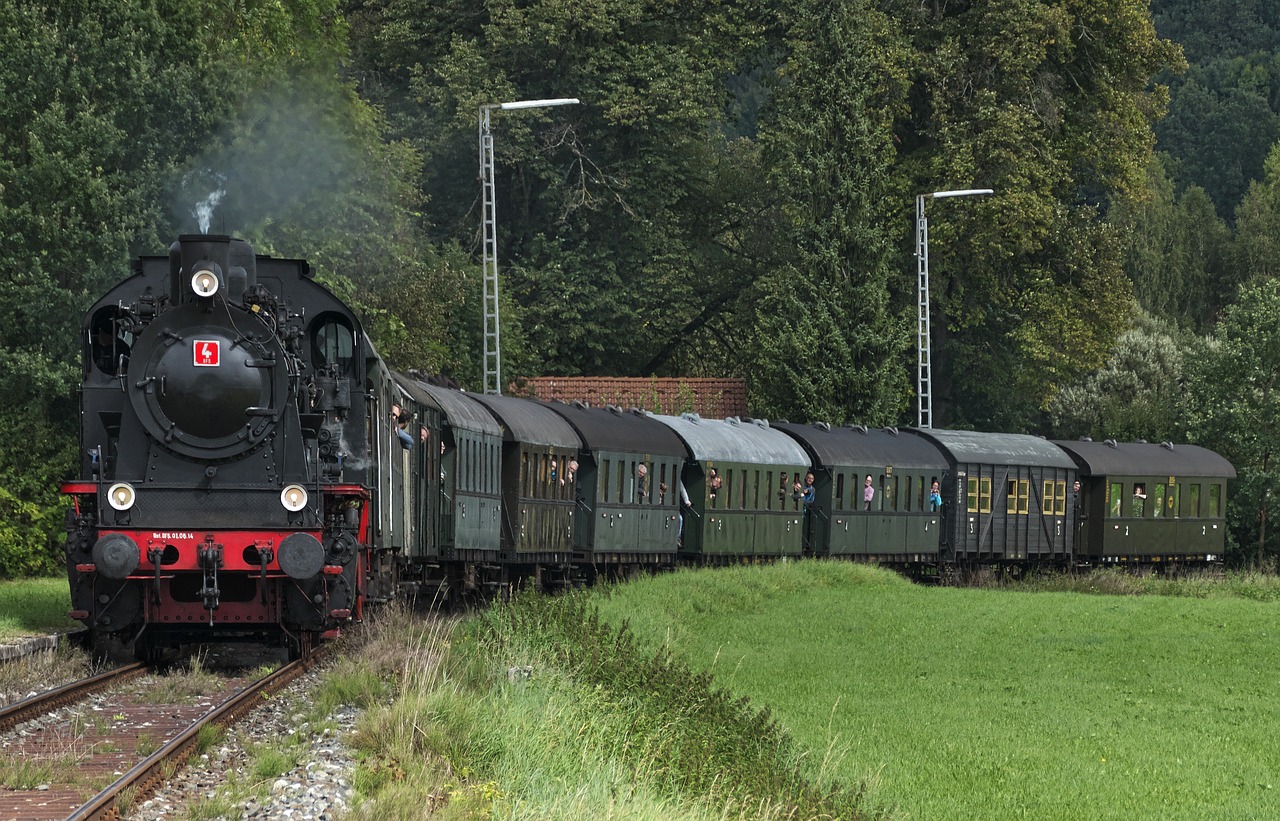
400	418
935	497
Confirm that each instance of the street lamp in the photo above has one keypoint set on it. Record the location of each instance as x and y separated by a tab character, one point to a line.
492	338
924	362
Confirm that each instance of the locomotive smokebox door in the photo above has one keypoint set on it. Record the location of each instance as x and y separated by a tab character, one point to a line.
208	384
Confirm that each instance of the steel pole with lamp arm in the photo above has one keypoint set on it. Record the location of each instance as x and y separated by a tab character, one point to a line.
924	357
492	331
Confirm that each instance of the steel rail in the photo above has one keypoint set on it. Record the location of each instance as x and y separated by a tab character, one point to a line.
45	702
150	773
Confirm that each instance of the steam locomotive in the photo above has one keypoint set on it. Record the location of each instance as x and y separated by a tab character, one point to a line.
252	471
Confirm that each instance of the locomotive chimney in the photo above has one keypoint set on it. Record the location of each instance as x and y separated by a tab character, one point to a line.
202	265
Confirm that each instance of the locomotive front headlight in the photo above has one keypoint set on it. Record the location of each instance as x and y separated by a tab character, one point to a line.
204	282
121	496
294	498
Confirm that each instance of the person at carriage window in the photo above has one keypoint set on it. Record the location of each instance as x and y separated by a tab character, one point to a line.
400	419
713	486
110	353
935	497
642	482
553	472
570	472
868	493
1139	500
686	507
809	493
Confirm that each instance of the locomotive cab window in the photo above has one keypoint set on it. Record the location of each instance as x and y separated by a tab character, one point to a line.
109	346
332	342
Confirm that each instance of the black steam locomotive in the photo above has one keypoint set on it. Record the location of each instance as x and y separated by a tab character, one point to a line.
251	470
226	472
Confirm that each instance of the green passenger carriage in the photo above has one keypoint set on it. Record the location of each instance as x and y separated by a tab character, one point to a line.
740	481
1149	503
900	523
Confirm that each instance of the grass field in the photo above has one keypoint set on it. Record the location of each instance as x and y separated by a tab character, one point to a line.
30	607
963	703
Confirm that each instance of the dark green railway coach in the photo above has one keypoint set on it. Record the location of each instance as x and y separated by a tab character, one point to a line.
898	521
1147	503
469	502
741	484
628	508
539	478
1006	497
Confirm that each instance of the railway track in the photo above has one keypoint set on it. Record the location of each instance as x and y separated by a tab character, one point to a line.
84	751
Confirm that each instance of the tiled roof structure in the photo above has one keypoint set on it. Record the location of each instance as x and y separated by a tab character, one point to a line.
709	398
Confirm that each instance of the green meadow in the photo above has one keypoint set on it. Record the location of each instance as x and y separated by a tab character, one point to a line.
990	703
31	607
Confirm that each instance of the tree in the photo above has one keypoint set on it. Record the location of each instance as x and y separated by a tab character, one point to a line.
1255	255
1137	394
1050	104
1235	391
619	228
103	106
824	341
1175	251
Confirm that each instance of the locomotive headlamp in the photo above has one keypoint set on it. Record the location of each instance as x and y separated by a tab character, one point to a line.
121	496
294	498
204	282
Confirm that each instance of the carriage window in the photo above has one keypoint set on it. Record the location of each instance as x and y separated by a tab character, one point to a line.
1215	500
331	342
1194	508
1172	500
1019	500
979	497
1157	508
742	478
1047	498
891	493
1060	503
906	498
605	464
755	490
1115	500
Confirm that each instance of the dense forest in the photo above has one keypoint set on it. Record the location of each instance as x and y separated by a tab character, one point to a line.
733	196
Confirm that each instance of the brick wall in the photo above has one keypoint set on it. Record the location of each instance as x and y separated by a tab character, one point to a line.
709	398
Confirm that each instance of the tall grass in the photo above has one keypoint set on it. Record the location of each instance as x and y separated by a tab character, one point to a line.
538	710
34	607
962	703
1117	582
